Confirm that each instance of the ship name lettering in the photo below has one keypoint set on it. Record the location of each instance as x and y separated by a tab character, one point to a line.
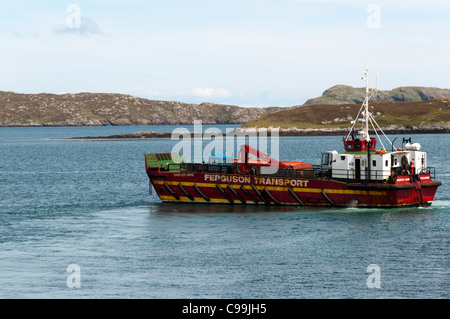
227	178
281	182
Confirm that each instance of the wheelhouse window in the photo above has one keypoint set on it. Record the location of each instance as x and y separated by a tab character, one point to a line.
325	158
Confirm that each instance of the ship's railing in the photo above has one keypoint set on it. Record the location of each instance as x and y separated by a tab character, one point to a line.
375	175
314	172
381	175
200	168
431	171
203	168
231	169
289	173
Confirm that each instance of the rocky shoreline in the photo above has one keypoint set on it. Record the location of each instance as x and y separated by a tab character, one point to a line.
136	135
444	129
393	129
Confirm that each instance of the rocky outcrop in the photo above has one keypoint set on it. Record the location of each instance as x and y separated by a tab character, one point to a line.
114	109
343	94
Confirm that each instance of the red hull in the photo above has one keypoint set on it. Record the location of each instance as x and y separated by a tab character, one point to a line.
238	189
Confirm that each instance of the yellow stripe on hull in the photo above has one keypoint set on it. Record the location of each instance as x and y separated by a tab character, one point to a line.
201	199
280	188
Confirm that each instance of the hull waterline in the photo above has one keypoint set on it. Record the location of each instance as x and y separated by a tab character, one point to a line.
250	190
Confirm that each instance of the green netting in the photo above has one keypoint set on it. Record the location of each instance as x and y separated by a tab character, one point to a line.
164	160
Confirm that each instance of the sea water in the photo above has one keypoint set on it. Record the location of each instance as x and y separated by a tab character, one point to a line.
77	221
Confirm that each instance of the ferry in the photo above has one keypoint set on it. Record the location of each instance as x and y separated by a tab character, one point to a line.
363	175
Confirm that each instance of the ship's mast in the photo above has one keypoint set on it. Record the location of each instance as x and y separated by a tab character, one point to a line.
367	117
366	108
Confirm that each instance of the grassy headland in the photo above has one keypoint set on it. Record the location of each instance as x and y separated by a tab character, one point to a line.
395	115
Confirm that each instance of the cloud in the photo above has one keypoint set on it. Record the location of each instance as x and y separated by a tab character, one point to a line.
155	93
25	34
85	27
209	92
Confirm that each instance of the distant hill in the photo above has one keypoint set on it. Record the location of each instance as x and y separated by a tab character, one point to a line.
342	94
425	116
114	109
91	109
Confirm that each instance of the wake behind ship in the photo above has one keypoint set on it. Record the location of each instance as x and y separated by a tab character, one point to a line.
360	176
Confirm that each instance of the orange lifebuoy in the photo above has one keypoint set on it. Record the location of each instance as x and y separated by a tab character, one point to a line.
400	149
380	151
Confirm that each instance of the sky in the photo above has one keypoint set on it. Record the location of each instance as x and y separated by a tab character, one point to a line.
252	53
